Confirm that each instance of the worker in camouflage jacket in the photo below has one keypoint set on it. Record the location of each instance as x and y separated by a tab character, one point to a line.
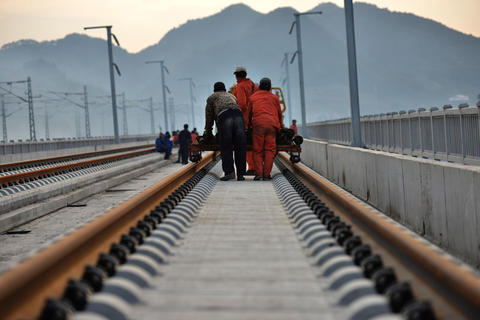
222	108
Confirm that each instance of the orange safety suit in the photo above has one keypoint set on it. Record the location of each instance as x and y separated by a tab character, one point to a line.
244	89
267	120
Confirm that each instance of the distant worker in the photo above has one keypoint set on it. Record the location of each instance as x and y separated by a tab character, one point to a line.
293	126
163	144
222	108
194	135
175	138
244	89
158	143
184	140
267	120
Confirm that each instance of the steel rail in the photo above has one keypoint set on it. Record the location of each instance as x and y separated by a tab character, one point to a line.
455	285
22	177
5	167
25	287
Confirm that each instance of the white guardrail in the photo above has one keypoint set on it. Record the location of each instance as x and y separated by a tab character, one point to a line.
17	147
450	134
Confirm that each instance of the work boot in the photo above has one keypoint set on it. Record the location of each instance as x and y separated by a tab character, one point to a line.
240	178
250	172
229	176
257	178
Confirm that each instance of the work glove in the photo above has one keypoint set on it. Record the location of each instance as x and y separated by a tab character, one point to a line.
207	136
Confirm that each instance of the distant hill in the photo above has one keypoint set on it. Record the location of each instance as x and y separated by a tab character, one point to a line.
404	62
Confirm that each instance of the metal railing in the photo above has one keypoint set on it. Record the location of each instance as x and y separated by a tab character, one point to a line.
450	134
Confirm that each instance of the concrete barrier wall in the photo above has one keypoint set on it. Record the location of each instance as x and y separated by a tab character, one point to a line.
35	150
438	200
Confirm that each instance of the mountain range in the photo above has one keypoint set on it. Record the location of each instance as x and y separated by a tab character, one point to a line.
404	62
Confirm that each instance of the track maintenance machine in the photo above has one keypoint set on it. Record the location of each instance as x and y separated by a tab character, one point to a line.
286	139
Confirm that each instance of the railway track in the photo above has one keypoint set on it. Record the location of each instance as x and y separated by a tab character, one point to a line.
418	278
13	174
383	265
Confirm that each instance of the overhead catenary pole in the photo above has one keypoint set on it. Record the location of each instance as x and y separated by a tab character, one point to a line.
87	113
31	114
152	119
164	88
112	85
300	75
191	84
352	75
4	122
111	64
47	126
287	80
299	53
124	113
84	107
164	94
191	103
171	106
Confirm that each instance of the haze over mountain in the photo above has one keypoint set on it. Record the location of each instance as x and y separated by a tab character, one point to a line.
404	62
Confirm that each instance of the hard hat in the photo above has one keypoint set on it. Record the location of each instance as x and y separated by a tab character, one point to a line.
240	69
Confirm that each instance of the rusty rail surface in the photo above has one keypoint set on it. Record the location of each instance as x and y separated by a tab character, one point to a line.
24	288
453	289
23	177
6	167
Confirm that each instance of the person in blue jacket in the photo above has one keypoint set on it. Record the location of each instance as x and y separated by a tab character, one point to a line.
164	144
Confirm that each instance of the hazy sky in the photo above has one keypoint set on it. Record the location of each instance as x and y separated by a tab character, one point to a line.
140	23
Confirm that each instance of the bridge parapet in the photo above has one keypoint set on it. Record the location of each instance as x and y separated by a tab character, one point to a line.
26	150
437	200
451	134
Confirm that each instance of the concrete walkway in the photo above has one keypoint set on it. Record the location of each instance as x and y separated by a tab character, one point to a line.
240	260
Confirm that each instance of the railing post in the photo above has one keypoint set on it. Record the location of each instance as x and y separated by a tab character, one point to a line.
394	135
478	119
401	113
388	132
462	130
447	132
420	130
432	131
382	136
410	129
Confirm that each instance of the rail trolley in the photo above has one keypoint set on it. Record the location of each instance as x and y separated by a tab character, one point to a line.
286	139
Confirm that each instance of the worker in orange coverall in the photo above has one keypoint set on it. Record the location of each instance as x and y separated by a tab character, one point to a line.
244	89
267	120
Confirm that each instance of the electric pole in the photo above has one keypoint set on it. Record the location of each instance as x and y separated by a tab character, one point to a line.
47	127
31	114
124	111
191	85
152	119
172	113
84	95
4	122
299	52
111	65
164	87
87	112
28	100
352	75
287	80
